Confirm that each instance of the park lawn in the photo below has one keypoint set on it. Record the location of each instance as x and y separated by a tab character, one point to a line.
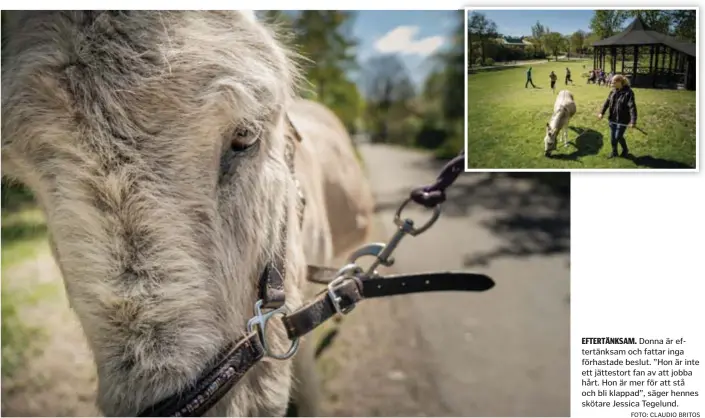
506	123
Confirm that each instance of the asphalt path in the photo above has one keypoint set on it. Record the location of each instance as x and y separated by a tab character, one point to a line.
504	352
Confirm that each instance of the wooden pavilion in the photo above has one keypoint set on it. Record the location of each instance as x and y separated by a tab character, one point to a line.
648	58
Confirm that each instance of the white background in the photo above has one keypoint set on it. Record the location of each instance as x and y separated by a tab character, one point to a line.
637	254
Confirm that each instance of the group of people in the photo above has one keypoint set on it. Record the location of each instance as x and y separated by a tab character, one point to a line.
620	105
599	77
553	77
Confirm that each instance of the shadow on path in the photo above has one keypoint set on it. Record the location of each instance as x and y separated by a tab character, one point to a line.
530	211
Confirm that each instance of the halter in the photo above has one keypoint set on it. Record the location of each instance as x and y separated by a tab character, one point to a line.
348	286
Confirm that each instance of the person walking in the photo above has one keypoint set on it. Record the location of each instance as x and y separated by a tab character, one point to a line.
553	78
567	76
621	105
528	79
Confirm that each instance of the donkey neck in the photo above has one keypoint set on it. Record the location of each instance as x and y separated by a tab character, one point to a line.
558	119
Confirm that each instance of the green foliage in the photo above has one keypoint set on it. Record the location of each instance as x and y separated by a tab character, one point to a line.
454	142
23	231
605	23
19	340
577	41
482	29
538	31
452	74
658	20
554	42
14	195
324	38
684	22
389	93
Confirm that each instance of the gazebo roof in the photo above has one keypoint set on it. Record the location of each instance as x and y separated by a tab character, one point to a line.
637	33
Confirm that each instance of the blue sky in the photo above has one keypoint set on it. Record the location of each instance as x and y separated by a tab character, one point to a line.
414	35
519	22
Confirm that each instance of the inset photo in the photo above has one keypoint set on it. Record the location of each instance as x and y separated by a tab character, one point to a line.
580	89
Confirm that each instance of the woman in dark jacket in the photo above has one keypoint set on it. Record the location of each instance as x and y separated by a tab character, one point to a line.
622	107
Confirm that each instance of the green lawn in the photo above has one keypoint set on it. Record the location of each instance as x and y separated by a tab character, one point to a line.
23	235
506	123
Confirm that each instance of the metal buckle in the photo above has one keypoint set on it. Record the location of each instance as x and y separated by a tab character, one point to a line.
344	273
408	224
260	320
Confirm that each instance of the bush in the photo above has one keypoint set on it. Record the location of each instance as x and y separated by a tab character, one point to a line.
14	194
409	129
454	142
489	61
431	137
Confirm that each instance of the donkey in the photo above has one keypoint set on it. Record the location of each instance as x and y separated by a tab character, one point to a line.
563	110
157	144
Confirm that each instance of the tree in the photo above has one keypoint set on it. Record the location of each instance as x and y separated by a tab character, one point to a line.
605	23
325	38
684	24
483	29
388	90
454	60
538	31
567	44
554	41
590	39
577	41
657	20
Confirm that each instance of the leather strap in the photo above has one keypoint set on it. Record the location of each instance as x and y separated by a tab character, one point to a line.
271	281
218	380
353	290
211	387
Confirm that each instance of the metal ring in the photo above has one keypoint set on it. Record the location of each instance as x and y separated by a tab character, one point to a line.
260	319
416	231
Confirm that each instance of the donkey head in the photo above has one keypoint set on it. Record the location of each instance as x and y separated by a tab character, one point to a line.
154	143
549	140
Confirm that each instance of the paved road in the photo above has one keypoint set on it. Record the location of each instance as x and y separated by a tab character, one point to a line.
504	352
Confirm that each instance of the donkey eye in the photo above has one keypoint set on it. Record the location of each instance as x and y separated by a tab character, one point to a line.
244	137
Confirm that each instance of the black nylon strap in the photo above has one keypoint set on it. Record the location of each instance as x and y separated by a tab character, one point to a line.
211	387
351	291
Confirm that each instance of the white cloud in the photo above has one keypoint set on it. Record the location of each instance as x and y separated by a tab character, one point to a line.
401	40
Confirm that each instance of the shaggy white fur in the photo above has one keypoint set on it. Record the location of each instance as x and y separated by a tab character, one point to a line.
121	122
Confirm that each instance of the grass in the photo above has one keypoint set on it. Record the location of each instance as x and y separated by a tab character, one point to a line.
23	233
506	123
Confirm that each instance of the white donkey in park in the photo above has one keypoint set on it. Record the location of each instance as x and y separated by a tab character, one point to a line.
563	111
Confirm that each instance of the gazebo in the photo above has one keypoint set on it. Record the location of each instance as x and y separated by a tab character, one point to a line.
648	58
